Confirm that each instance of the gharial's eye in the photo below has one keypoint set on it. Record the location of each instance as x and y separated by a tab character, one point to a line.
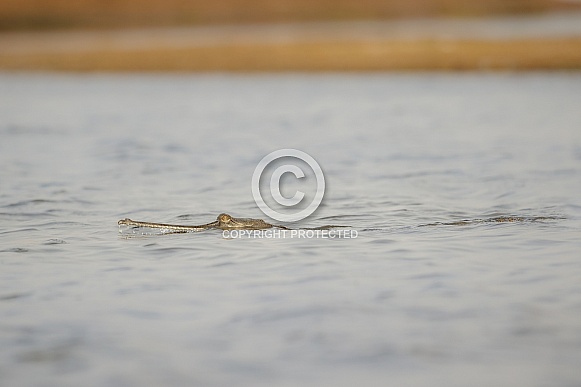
224	218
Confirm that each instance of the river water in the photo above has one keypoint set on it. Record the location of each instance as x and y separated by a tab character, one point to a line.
409	301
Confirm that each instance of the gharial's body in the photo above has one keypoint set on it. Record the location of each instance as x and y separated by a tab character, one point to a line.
223	222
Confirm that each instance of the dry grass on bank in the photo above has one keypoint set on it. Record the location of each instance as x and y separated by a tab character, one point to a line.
527	54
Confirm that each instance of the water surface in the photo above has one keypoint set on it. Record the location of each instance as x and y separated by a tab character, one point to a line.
445	305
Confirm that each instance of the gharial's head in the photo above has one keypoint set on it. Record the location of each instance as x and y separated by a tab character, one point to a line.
226	222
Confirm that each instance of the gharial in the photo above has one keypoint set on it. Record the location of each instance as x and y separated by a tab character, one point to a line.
223	222
228	222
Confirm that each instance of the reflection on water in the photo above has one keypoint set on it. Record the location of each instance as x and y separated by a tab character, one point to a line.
464	301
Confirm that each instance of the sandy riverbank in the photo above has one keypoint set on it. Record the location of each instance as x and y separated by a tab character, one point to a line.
531	54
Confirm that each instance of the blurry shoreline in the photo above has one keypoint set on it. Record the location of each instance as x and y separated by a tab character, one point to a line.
535	42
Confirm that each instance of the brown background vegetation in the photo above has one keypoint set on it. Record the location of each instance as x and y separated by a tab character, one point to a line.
455	53
52	14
